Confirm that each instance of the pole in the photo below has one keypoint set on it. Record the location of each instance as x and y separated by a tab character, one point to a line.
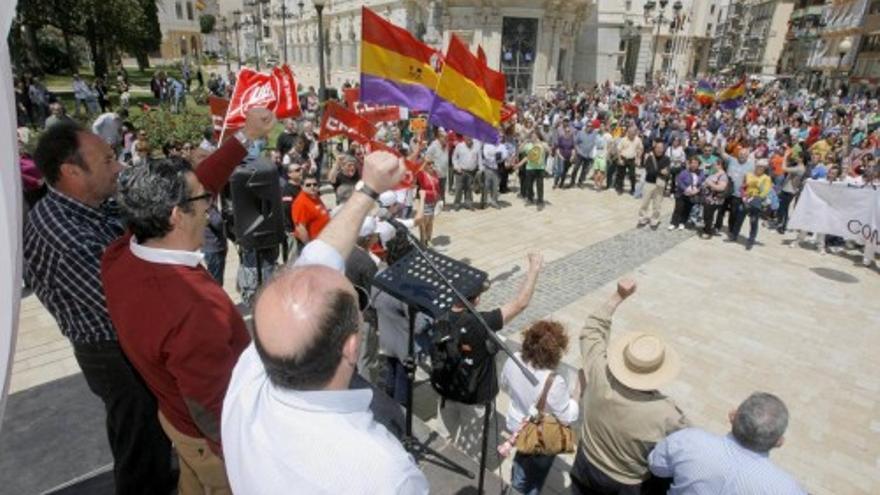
284	28
322	91
516	77
259	34
654	48
237	45
226	46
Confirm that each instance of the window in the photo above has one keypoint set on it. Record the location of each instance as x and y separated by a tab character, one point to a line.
178	9
620	61
622	45
560	68
709	28
266	32
712	9
189	10
668	46
874	8
629	5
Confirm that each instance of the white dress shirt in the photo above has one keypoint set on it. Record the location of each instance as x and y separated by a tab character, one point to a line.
524	396
438	154
281	441
466	158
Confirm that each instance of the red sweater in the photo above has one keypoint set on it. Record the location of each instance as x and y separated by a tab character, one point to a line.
175	324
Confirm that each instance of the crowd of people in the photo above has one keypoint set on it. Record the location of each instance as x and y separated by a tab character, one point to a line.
126	247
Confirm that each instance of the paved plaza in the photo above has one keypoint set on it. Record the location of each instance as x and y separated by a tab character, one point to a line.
781	320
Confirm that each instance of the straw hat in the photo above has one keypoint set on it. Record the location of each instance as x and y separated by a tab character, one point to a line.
642	361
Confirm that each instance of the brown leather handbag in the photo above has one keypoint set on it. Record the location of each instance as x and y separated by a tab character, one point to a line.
543	434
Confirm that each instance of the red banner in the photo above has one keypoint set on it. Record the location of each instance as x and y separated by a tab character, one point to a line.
218	106
373	113
337	120
275	91
508	111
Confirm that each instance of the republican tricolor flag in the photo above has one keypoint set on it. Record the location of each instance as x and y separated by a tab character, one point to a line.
469	95
732	96
396	68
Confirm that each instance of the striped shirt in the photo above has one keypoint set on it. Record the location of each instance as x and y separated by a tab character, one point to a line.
701	463
63	243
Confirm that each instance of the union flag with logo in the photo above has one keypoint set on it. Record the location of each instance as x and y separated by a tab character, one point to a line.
275	91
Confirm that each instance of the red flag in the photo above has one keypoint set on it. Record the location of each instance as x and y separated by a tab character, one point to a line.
631	109
337	120
275	91
508	111
218	106
373	113
481	55
412	168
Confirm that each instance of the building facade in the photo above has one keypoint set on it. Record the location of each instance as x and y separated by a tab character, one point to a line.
532	42
802	40
623	41
179	23
752	37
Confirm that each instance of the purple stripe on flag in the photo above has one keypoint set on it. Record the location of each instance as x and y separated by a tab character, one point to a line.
730	104
381	91
449	116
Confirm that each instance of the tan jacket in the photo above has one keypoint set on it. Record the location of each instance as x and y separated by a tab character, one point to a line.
621	425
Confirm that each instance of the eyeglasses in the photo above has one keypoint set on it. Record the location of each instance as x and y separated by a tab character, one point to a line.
311	184
200	197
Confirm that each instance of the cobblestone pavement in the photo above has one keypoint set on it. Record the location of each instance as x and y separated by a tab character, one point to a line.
568	279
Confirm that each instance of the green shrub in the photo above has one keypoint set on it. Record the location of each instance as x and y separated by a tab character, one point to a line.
163	126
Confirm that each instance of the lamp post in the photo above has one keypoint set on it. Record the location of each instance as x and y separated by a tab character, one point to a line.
520	32
226	43
650	5
236	25
319	7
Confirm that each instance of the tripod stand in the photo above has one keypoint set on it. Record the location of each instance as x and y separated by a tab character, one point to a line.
431	282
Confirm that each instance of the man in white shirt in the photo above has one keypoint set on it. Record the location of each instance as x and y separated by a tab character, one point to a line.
290	421
109	127
465	159
493	158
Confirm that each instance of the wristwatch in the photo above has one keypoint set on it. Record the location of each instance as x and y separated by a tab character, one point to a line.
364	188
245	142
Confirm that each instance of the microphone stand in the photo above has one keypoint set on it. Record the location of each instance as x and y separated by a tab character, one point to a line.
410	365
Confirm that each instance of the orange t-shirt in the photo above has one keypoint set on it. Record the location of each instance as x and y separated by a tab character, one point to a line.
310	212
776	163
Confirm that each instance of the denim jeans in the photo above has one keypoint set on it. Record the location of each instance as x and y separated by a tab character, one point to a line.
529	472
396	383
784	204
581	169
141	450
491	183
535	188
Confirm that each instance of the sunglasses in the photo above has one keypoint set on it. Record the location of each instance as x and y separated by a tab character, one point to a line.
311	184
200	197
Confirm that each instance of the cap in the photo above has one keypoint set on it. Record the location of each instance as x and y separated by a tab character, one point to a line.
387	199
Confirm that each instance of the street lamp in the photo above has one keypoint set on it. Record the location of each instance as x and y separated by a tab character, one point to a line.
650	5
236	24
226	43
284	16
520	32
319	6
843	47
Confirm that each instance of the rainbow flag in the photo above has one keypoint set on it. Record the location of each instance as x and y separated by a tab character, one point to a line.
396	68
705	94
732	96
469	95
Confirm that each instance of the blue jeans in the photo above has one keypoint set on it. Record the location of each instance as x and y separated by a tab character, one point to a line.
396	384
529	472
216	265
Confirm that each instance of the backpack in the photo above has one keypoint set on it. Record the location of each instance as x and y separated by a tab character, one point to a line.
454	374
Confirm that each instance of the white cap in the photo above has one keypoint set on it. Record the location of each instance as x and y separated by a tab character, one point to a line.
386	232
387	199
369	227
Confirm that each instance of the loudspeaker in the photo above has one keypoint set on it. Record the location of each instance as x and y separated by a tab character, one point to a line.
258	221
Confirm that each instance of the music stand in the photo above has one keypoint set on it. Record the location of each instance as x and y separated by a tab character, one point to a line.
431	282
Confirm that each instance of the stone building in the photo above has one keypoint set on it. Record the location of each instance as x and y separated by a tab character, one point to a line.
179	23
534	42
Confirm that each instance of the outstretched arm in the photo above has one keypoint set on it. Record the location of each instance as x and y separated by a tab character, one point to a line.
596	330
513	308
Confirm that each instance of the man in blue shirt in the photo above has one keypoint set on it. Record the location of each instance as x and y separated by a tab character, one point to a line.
584	144
738	463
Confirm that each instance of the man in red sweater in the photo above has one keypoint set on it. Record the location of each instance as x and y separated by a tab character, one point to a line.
176	325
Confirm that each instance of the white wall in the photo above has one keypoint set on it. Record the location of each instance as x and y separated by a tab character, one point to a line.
10	212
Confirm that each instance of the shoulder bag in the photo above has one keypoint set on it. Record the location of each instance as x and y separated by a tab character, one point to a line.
543	434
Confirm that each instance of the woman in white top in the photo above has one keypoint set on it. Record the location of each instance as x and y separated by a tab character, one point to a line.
544	344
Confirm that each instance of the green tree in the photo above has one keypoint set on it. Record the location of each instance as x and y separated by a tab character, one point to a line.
207	23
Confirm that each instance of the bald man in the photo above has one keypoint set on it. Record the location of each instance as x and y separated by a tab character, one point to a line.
290	421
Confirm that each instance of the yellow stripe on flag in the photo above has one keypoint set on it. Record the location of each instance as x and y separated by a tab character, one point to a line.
379	62
467	95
